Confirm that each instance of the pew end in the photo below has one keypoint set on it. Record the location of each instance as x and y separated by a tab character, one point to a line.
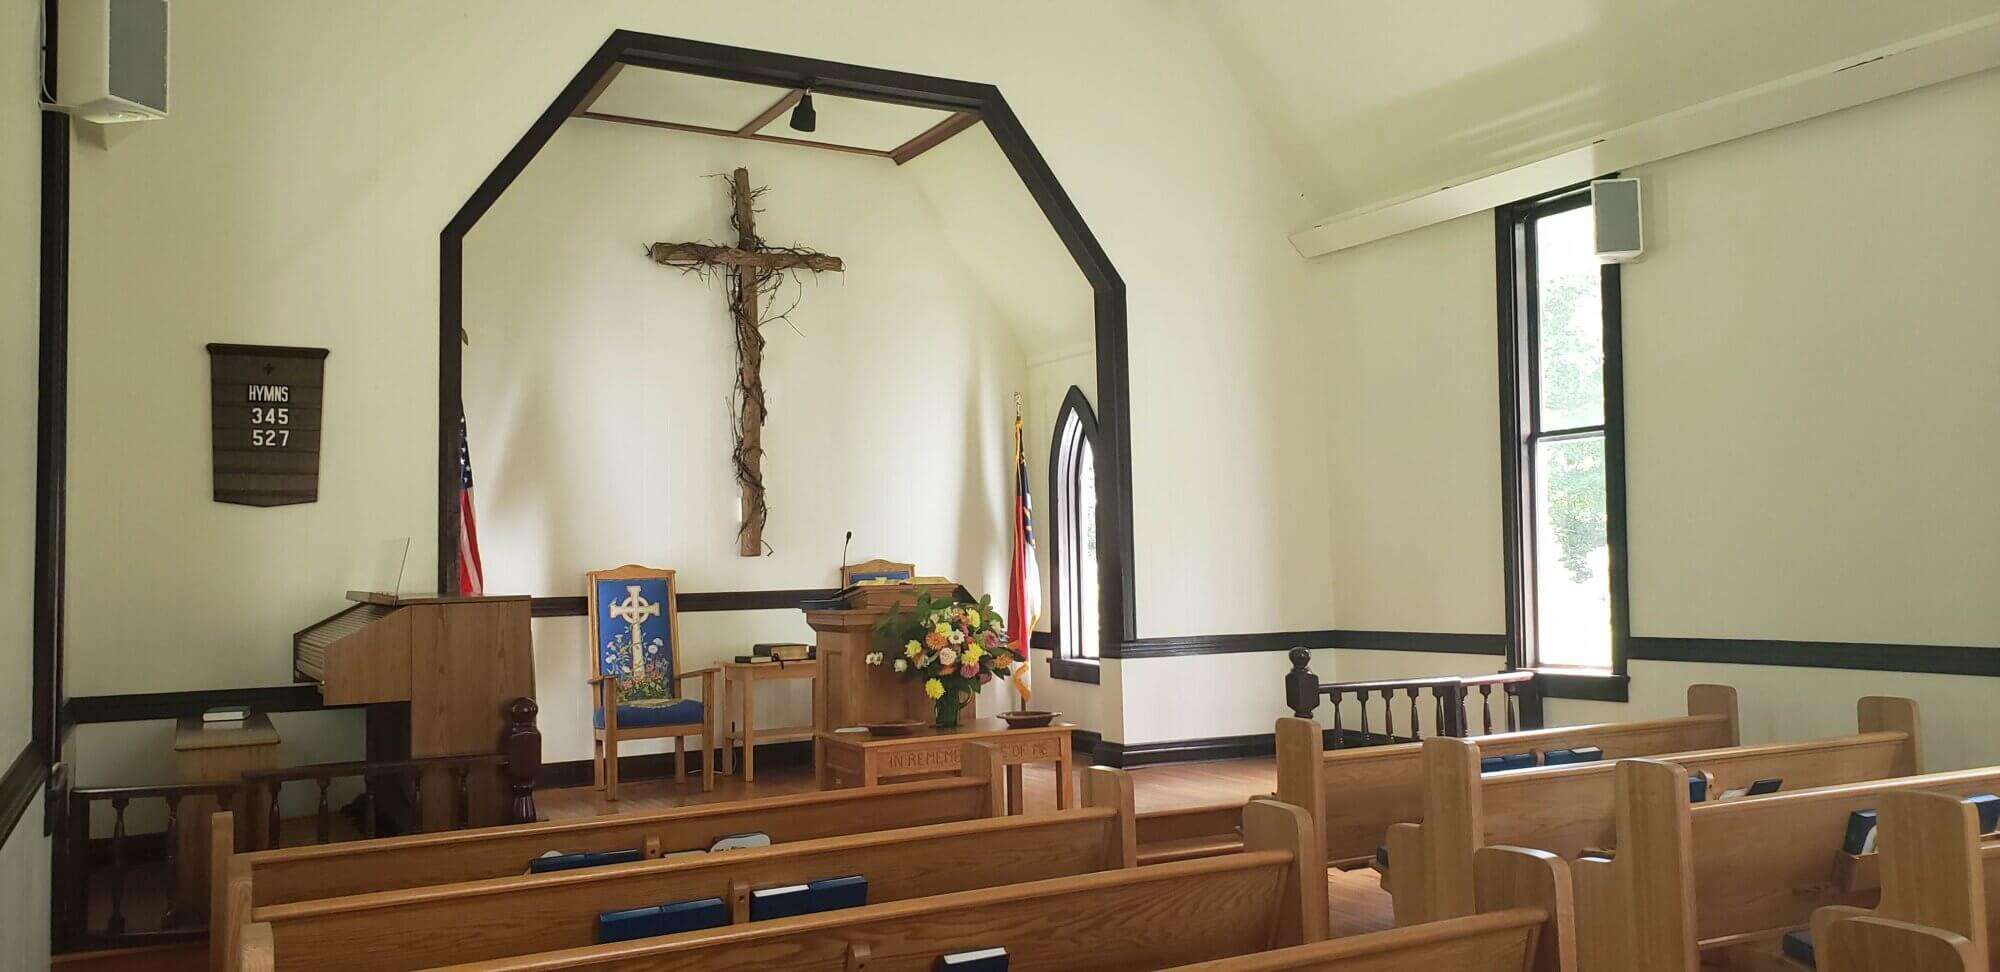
1638	909
1520	877
1301	753
1706	699
982	761
221	847
256	952
1867	943
1104	786
1271	825
1888	713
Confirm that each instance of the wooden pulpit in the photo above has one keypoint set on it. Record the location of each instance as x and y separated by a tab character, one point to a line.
436	675
849	691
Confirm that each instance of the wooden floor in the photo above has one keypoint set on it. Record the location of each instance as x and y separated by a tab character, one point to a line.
1355	900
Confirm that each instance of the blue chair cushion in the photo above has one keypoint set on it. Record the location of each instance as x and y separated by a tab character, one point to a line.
660	712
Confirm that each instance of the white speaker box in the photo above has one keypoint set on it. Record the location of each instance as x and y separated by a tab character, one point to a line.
112	59
1620	229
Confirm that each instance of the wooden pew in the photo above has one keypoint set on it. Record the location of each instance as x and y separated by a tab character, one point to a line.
1356	794
1730	876
395	863
1272	895
500	917
1934	911
1523	922
1569	809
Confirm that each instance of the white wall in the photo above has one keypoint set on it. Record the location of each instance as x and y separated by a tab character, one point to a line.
1809	360
296	194
597	388
24	854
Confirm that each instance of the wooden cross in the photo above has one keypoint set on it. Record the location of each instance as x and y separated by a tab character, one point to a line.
751	265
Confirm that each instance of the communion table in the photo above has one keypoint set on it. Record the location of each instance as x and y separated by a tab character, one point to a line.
862	759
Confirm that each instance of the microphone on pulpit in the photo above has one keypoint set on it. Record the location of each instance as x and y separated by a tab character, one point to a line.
844	544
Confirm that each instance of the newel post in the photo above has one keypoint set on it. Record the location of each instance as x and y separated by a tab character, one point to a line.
1301	685
522	745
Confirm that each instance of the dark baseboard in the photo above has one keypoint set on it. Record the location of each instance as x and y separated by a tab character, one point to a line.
1983	660
1124	756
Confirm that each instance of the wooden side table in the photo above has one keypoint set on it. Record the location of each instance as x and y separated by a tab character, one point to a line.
210	756
739	686
867	760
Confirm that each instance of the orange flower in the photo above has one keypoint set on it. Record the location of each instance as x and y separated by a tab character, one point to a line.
936	640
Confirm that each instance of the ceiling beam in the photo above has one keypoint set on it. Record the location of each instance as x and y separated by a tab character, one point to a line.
769	115
933	136
729	133
597	90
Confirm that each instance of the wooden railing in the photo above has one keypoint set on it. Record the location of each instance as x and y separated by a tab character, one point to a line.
129	890
1447	697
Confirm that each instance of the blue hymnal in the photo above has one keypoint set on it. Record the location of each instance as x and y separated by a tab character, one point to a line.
566	862
1563	757
1697	788
1495	764
666	919
1860	827
1799	946
983	960
1989	811
830	894
1762	787
784	902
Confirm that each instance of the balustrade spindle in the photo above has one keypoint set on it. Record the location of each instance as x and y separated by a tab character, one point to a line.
463	818
323	818
1486	708
172	917
1389	714
274	821
116	924
1363	696
1339	737
1416	723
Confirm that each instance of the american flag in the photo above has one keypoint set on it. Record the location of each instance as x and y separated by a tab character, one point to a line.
471	577
1024	587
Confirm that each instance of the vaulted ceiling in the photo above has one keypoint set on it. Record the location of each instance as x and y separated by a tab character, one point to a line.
1373	101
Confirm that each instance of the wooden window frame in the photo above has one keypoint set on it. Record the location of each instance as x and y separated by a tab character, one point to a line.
1514	239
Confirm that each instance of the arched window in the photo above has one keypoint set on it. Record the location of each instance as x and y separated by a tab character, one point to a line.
1073	550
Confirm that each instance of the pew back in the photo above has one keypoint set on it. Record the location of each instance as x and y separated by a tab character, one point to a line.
499	917
1569	809
1934	873
1870	944
1356	794
1714	874
1271	895
328	870
1524	921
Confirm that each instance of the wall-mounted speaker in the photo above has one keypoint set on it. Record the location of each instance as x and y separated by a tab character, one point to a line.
1620	229
112	59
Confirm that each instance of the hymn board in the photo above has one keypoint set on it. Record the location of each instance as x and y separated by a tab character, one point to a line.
265	411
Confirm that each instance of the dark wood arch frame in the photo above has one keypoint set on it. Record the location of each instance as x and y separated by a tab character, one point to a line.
1075	402
1114	461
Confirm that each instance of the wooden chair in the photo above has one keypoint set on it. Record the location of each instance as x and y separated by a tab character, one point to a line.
852	574
1568	810
1357	794
636	674
1524	921
495	919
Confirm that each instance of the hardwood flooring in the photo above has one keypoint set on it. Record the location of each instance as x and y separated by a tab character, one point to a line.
1355	900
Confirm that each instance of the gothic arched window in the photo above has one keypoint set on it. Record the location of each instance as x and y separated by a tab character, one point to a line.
1073	551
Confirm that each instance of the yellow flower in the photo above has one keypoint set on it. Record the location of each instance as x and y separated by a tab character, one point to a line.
912	650
971	653
933	689
972	619
943	628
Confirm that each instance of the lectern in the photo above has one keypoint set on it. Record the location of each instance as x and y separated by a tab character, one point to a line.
436	675
849	691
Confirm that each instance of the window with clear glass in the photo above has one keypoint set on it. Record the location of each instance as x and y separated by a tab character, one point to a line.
1074	471
1560	401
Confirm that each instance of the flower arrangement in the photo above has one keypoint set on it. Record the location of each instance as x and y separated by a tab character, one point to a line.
951	648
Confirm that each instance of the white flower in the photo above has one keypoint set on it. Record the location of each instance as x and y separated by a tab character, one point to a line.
902	665
873	658
947	657
956	637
